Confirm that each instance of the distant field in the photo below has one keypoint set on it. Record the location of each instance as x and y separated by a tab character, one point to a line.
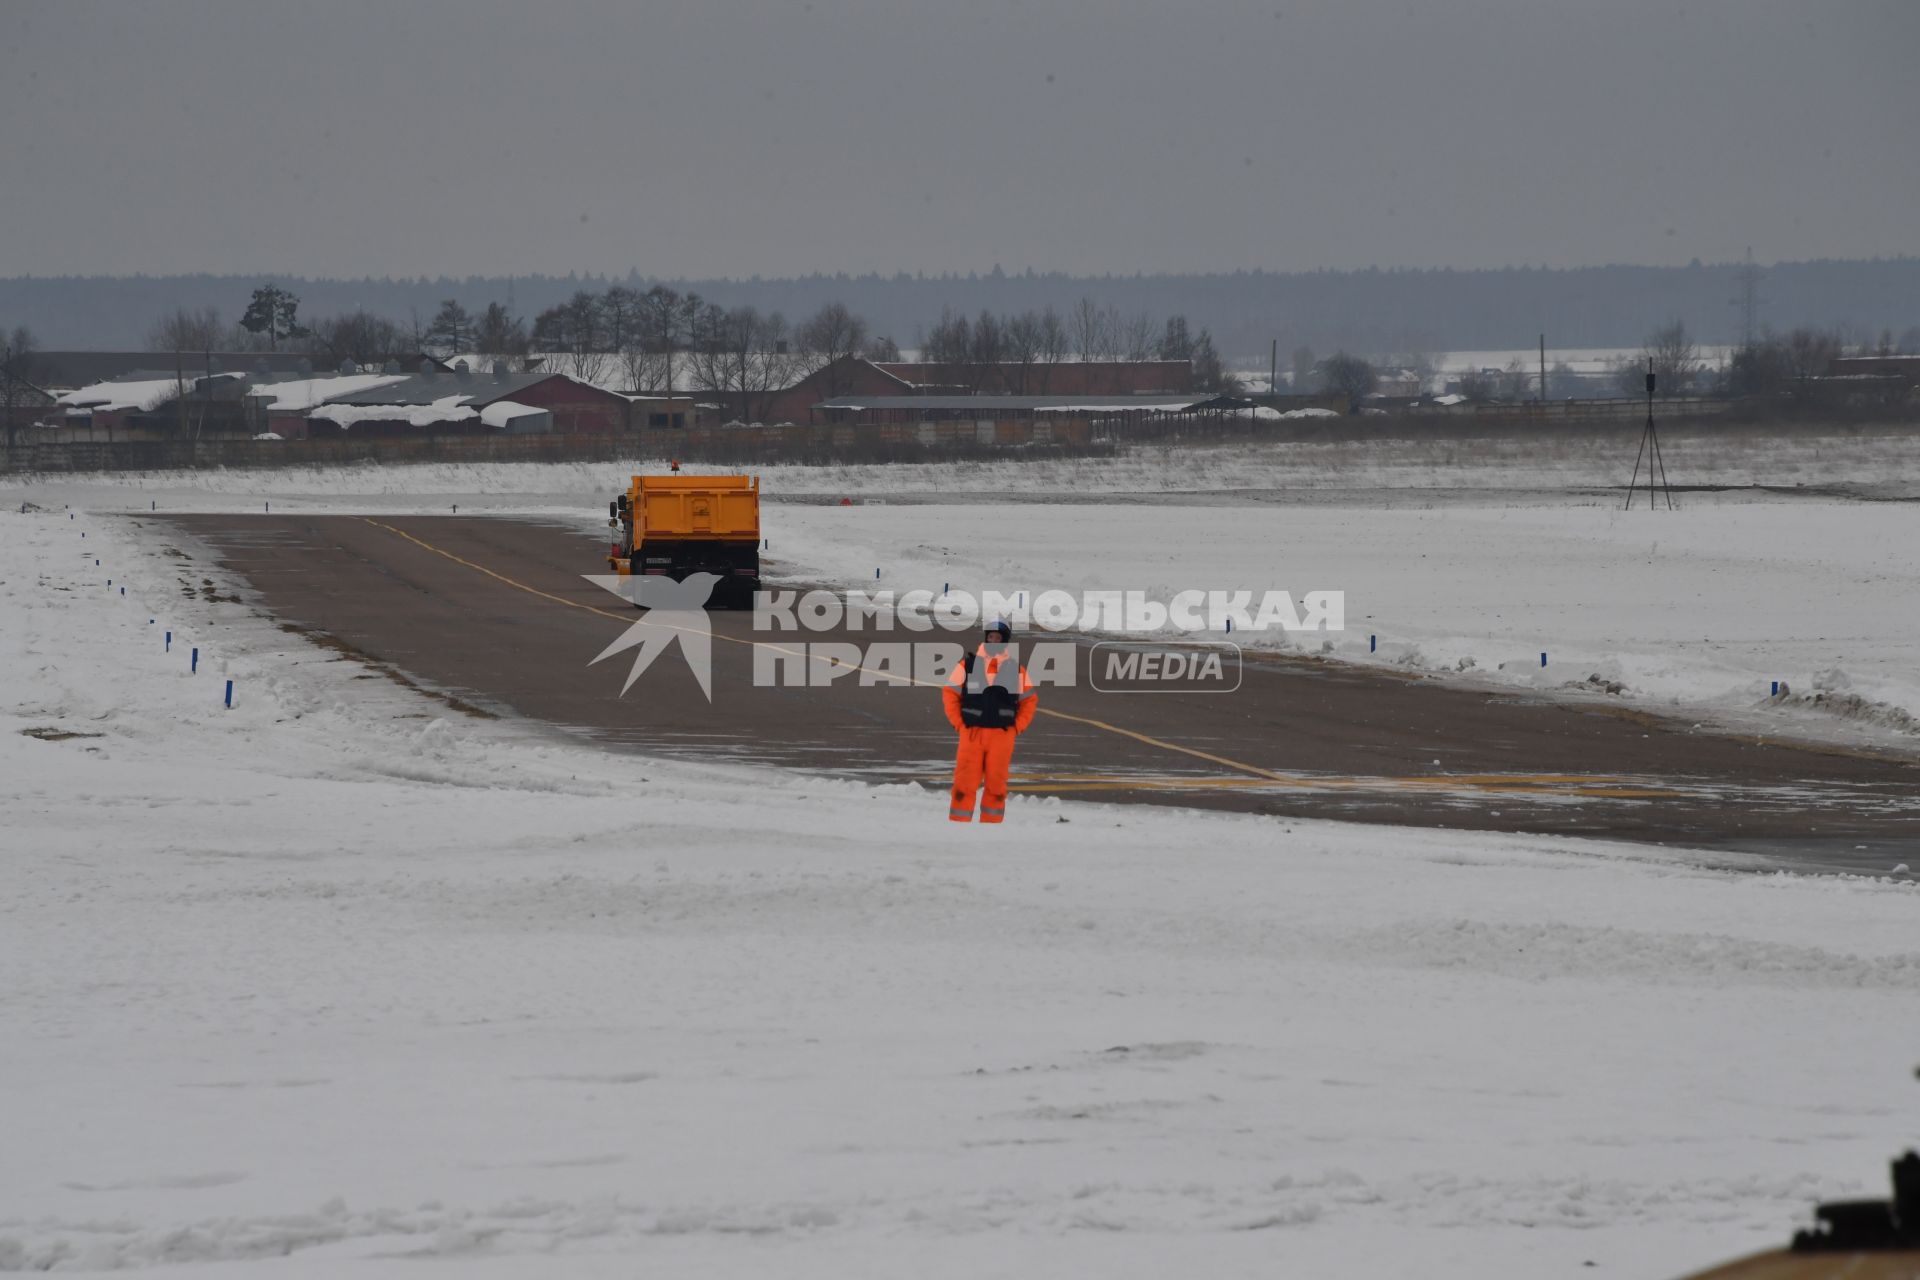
1879	461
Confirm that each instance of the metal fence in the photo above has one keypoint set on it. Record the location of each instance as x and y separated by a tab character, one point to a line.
931	441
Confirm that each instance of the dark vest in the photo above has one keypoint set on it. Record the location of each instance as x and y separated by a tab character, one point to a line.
993	707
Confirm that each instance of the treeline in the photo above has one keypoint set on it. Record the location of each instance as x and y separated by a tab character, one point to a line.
1016	349
659	340
1369	311
655	340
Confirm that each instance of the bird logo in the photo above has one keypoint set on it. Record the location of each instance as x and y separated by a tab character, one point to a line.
676	612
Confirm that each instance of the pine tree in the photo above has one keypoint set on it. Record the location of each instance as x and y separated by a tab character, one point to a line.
273	312
1175	342
452	328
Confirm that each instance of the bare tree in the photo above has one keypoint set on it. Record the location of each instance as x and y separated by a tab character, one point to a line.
741	354
359	337
1137	340
1676	360
1087	325
1110	348
776	368
188	330
21	371
985	352
573	332
1050	348
949	342
1517	382
1810	351
1020	350
1351	376
619	317
828	336
661	322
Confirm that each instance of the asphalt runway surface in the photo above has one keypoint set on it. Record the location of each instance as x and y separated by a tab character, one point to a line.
497	615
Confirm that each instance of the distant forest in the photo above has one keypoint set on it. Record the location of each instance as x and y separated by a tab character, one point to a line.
1375	312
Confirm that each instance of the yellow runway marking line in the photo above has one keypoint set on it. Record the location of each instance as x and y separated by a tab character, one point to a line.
1591	790
1533	781
1257	775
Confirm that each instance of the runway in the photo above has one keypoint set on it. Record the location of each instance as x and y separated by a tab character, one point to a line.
495	614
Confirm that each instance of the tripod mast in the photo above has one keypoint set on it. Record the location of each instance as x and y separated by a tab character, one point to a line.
1650	452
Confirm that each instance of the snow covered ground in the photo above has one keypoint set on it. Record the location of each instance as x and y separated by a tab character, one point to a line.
1875	463
1697	611
1590	361
340	982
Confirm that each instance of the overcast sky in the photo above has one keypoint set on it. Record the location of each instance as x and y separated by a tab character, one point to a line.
709	138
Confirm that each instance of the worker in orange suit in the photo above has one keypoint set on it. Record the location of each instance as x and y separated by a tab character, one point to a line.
989	702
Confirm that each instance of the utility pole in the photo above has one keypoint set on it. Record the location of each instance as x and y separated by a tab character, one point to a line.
1273	370
1748	300
1543	368
180	391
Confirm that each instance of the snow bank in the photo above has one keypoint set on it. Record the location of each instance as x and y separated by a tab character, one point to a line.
349	980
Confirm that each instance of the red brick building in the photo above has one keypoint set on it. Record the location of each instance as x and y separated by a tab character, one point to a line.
577	408
847	376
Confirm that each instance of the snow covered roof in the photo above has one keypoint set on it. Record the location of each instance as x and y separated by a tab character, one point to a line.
501	412
298	393
1109	404
144	391
1035	404
451	408
480	388
71	369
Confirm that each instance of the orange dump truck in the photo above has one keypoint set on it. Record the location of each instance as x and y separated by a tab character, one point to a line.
679	524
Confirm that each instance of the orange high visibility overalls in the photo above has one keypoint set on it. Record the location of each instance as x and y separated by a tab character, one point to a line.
986	753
